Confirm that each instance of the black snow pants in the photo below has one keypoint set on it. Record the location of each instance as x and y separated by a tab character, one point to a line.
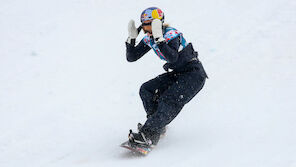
164	96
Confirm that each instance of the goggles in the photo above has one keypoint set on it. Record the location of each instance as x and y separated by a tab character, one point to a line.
146	24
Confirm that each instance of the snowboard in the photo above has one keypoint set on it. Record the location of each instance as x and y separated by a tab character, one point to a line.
137	148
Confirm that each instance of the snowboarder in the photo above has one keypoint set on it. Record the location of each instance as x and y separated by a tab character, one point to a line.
164	96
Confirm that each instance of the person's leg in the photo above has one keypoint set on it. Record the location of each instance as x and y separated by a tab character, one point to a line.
151	90
172	101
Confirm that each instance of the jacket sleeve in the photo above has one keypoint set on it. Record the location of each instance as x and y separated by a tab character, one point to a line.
133	53
170	49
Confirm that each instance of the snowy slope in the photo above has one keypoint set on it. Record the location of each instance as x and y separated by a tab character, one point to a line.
68	97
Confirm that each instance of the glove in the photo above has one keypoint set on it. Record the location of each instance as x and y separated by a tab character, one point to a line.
132	32
157	30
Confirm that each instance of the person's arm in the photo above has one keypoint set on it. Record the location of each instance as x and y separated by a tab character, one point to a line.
134	53
170	49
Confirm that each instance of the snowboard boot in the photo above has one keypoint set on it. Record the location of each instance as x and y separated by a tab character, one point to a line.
139	138
162	131
139	127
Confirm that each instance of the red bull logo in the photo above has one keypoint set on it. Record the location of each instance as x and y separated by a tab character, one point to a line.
157	14
160	13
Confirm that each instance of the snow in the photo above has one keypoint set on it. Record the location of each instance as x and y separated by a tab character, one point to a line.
68	96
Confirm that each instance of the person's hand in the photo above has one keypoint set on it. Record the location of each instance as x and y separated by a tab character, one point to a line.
132	31
157	30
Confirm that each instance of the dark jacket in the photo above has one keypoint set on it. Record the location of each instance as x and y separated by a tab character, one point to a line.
184	60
